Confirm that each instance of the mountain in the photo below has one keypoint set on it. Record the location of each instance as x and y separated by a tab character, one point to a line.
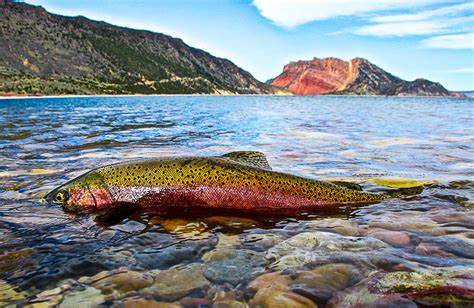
44	53
355	77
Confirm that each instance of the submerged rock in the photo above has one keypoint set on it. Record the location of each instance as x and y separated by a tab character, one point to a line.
280	299
177	253
396	182
394	238
452	287
185	228
137	302
318	247
177	282
52	297
272	291
403	282
119	281
86	297
321	283
227	300
9	295
236	267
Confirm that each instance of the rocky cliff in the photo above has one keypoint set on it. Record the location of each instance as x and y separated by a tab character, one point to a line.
355	77
44	53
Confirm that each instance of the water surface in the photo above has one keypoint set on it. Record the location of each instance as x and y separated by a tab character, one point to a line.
47	256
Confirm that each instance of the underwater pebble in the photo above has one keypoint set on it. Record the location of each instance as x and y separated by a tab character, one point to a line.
147	303
446	287
185	228
321	283
455	245
224	249
262	241
272	291
177	282
394	238
120	281
166	257
337	225
87	297
310	247
239	266
427	249
8	294
224	299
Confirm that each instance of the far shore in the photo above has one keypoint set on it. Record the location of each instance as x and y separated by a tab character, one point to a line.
460	95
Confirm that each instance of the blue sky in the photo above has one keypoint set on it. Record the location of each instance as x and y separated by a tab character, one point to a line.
433	39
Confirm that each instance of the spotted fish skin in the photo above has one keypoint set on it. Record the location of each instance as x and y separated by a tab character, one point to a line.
238	180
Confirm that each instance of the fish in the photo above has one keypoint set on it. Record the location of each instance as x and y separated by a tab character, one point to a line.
240	180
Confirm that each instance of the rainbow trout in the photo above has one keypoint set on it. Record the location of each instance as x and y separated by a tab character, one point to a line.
238	180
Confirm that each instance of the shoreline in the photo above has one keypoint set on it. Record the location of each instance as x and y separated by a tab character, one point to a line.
17	97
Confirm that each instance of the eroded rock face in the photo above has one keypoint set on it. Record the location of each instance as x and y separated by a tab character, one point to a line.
355	77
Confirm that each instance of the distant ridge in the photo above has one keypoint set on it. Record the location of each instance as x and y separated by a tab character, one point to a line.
44	53
355	77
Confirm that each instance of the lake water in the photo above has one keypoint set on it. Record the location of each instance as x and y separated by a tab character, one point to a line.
414	250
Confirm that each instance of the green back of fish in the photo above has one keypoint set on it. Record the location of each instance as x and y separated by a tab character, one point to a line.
236	169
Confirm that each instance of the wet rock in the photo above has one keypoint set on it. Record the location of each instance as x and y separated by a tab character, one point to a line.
362	297
86	297
462	247
396	182
316	247
147	303
224	249
195	302
262	241
130	226
406	222
321	283
227	300
11	261
240	266
403	282
185	228
9	295
337	225
272	291
119	281
394	238
428	249
177	282
52	297
275	281
444	287
231	224
163	258
283	299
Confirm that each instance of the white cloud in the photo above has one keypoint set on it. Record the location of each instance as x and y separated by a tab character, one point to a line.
464	70
429	14
291	13
453	41
422	27
445	20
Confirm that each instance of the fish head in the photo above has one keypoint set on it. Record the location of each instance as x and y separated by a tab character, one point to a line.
86	193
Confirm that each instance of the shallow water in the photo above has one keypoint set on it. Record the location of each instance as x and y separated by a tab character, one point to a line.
47	256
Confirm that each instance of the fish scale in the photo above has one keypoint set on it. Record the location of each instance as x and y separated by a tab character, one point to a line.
237	180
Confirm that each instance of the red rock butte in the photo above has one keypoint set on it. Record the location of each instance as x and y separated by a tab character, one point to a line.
318	76
355	77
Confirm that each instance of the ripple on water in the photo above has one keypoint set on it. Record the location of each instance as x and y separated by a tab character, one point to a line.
416	249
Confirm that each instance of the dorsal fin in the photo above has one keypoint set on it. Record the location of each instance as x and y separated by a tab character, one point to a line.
251	158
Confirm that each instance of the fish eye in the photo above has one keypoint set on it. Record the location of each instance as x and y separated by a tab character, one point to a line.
61	196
